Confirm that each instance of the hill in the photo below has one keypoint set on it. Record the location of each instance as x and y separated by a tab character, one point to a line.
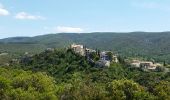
149	45
76	78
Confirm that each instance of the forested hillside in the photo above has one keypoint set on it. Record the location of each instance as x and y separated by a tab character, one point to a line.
77	79
137	44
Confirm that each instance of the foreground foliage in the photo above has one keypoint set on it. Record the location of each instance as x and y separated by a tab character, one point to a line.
22	85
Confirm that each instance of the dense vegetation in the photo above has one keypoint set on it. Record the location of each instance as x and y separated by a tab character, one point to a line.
136	44
62	74
77	79
25	85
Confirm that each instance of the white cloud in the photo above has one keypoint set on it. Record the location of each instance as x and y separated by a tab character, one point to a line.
151	5
64	29
24	15
3	11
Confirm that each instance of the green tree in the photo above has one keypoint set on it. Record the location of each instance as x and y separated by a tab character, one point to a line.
162	90
126	90
110	55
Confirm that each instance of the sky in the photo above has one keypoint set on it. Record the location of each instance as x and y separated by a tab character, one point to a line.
38	17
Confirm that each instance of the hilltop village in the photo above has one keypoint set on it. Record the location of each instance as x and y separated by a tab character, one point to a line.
107	57
104	59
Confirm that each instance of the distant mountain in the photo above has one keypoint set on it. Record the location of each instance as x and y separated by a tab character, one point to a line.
14	39
149	45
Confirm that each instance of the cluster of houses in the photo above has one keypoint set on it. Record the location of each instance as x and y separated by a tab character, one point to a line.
145	65
104	60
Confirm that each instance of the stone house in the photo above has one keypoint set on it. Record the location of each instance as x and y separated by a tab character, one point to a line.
145	65
79	49
104	56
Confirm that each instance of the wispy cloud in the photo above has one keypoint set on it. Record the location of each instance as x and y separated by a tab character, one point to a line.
3	11
24	15
68	29
151	5
63	29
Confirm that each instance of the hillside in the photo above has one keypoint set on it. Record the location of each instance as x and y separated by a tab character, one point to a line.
135	44
76	79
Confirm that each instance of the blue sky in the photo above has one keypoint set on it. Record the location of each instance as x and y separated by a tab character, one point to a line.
37	17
